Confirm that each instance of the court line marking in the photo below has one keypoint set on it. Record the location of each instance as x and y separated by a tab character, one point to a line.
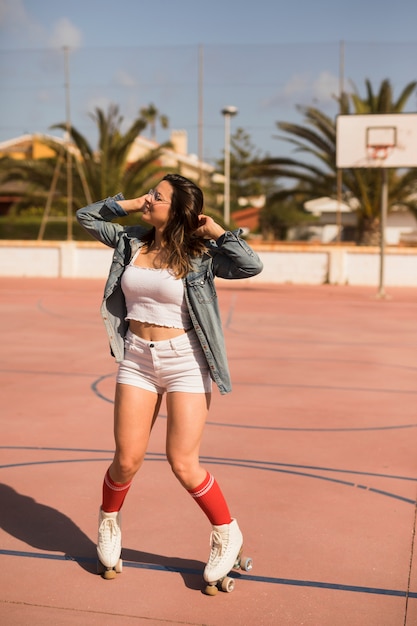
241	577
256	465
97	392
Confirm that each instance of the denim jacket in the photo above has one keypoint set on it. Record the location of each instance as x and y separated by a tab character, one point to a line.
229	257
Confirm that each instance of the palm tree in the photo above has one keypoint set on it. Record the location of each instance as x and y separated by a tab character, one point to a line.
317	177
107	170
152	115
95	173
382	102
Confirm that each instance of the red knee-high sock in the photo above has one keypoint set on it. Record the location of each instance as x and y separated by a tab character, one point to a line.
114	494
209	497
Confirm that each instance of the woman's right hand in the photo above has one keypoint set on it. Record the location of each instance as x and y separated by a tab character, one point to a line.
135	205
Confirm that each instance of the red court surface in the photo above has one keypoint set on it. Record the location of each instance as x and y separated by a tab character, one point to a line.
315	449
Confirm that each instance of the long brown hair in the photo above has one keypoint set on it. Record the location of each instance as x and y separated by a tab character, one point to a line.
178	236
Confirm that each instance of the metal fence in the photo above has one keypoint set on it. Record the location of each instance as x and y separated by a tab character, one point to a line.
192	84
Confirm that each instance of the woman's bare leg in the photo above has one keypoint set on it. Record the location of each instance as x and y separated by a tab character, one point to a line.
135	412
187	414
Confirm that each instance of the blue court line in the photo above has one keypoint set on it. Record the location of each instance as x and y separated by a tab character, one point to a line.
317	477
256	465
97	392
212	459
276	385
309	430
55	462
242	577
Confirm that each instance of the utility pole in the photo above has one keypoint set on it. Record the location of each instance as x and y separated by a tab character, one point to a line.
68	135
228	112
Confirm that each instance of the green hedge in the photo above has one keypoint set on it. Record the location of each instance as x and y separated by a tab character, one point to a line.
27	228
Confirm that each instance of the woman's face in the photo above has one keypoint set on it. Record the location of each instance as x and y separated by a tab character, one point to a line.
158	205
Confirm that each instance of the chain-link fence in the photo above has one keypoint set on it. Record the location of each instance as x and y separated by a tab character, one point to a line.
192	84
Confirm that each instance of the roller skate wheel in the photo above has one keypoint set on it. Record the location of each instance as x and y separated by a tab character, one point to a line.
210	590
246	563
119	566
228	584
109	574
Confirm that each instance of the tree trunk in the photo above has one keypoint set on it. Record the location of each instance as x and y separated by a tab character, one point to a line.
370	232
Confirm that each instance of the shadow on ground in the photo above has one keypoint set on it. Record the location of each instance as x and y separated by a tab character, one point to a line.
45	528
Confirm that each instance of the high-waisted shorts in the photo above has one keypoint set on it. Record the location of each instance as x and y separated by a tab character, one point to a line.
175	364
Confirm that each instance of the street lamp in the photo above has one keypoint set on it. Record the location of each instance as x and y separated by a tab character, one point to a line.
228	112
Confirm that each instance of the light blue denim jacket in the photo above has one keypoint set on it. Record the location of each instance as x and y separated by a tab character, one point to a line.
229	257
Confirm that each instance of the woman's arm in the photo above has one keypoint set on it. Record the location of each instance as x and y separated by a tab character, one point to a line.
208	228
232	257
97	218
134	205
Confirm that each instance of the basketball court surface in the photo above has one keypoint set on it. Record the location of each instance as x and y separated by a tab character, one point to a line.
315	450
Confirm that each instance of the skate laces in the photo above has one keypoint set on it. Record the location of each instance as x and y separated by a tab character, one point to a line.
108	531
218	544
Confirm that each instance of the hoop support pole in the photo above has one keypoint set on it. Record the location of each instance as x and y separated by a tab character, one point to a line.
383	220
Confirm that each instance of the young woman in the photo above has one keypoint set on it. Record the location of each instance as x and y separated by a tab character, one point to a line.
161	314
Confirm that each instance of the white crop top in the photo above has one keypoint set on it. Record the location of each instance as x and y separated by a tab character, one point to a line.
154	296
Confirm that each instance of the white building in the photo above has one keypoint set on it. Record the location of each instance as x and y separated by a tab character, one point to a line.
401	224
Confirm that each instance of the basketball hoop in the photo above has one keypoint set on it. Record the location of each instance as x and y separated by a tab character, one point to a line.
377	140
378	152
380	141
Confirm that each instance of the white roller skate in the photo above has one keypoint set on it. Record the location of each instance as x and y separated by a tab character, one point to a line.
226	554
109	544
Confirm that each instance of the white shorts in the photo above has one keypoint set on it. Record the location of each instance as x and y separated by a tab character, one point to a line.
175	364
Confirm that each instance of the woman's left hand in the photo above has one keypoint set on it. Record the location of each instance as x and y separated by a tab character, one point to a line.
208	228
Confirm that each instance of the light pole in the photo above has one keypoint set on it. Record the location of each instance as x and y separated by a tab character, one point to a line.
228	112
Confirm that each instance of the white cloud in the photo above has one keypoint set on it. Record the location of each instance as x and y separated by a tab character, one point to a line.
304	88
19	28
325	87
296	85
322	88
17	24
64	33
124	79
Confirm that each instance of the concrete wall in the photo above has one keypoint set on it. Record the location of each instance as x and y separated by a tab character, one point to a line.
283	263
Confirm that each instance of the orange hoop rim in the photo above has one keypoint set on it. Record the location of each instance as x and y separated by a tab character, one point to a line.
378	152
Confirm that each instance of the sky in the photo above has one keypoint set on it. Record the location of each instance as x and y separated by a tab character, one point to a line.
265	57
40	23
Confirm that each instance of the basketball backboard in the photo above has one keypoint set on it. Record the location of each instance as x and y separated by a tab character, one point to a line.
383	140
